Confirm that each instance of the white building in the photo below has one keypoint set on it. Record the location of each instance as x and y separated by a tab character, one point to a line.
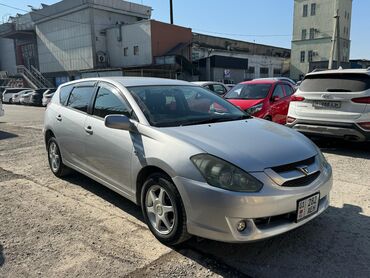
228	60
313	29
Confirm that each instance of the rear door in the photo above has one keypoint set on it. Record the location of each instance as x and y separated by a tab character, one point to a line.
70	119
109	151
328	97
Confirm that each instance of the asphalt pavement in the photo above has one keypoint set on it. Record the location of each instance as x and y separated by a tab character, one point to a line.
76	227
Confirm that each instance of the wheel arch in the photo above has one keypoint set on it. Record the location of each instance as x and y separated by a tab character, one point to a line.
48	134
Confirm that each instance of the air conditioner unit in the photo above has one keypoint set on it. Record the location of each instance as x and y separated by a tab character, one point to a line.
101	58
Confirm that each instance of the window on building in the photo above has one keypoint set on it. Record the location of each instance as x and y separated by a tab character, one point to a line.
304	34
277	72
264	70
303	56
136	50
313	9
312	33
125	51
310	56
251	70
80	98
305	10
107	103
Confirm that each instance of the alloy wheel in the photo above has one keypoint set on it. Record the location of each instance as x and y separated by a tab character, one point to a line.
54	157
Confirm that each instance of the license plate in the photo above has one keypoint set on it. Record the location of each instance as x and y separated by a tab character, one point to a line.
319	104
307	206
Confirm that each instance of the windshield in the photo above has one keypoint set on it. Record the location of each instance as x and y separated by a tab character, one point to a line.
335	83
249	91
166	106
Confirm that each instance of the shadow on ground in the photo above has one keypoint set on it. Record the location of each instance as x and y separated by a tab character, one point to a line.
335	244
6	135
341	147
2	257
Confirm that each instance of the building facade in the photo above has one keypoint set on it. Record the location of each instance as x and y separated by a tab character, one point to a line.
313	27
233	61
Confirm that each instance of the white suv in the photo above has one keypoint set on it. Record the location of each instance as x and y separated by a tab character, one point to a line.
333	103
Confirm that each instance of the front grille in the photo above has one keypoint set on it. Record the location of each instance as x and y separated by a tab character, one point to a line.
303	181
293	166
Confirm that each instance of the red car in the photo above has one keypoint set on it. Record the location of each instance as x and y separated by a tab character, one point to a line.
268	99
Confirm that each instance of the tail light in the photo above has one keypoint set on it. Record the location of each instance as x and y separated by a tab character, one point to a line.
296	98
365	125
361	100
290	120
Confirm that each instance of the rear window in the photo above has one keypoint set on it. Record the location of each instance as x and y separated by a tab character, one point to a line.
80	98
335	83
64	94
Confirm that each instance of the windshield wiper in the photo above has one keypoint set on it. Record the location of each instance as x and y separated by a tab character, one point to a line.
216	120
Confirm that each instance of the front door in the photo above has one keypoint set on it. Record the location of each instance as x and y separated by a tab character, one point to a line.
109	151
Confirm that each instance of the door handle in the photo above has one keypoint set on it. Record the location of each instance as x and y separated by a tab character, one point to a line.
89	130
59	118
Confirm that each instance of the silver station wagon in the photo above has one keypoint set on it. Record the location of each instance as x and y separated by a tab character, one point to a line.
196	164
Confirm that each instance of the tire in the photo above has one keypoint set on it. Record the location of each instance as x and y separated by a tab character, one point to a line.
268	118
10	101
155	208
58	168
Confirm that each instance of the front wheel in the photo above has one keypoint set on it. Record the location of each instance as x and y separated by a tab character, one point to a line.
163	210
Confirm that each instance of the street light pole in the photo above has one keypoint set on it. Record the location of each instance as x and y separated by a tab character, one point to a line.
171	12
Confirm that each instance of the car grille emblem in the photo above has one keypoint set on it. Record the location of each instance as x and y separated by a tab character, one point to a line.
303	169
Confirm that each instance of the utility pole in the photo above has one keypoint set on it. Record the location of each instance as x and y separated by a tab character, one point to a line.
335	39
171	12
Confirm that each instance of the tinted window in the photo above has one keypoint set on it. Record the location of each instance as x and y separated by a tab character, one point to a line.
288	90
64	94
249	91
278	92
335	83
107	103
80	98
183	105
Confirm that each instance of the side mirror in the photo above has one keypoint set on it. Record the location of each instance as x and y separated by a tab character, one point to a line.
275	98
118	122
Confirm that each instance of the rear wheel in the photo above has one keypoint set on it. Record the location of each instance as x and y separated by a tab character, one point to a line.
163	210
268	118
55	159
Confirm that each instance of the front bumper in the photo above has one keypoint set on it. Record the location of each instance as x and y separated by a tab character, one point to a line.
213	213
349	131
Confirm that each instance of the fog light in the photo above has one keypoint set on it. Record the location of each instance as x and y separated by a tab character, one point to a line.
241	226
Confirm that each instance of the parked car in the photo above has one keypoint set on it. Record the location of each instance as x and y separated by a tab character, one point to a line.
33	98
216	173
333	103
16	97
48	94
268	99
216	87
9	92
1	108
25	98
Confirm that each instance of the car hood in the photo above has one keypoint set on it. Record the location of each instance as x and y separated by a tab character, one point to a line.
245	103
252	144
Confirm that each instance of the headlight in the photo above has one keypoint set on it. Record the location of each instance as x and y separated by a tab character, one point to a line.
222	174
254	109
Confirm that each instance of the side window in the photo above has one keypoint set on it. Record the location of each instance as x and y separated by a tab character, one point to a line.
107	103
218	89
278	91
288	90
80	98
64	94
